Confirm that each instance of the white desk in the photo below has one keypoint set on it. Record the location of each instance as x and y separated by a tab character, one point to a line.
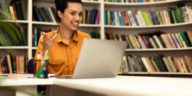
132	85
26	83
122	85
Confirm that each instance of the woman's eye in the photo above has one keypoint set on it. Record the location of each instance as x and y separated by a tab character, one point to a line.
80	14
72	13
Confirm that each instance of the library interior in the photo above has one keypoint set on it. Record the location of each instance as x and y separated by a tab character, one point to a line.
147	42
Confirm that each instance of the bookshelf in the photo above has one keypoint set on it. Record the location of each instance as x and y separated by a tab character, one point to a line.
30	23
135	30
101	28
87	4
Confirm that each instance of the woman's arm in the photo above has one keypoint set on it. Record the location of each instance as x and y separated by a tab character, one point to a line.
44	44
48	41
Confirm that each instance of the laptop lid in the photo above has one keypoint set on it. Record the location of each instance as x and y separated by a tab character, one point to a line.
99	58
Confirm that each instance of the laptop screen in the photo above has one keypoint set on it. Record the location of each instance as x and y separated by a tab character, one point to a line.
99	58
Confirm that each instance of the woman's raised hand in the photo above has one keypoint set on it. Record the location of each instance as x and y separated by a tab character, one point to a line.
48	41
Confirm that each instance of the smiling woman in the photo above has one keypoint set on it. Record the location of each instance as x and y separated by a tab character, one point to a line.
64	44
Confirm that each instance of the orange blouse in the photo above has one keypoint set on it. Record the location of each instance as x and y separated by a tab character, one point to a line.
63	57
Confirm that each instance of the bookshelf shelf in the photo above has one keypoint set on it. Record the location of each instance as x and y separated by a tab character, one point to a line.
91	2
55	24
48	1
153	26
34	48
89	25
44	23
141	4
14	47
86	2
160	49
17	21
158	73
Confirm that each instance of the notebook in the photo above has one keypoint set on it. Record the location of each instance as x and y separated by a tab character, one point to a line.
99	59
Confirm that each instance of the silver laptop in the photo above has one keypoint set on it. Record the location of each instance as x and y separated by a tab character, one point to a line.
99	59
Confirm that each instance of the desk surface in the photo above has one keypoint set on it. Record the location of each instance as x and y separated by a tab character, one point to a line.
26	82
132	85
121	85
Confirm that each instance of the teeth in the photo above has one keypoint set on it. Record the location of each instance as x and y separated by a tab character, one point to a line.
75	23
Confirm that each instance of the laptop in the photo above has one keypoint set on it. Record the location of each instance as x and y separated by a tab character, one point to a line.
99	59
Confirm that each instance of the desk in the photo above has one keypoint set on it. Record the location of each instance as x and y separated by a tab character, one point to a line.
121	85
132	85
26	83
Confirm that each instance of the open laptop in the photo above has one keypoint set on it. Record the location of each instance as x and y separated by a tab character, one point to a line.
99	59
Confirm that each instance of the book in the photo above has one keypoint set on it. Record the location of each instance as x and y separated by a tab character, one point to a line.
9	63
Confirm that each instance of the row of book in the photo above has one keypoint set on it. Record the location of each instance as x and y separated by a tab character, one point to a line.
180	14
154	40
133	1
13	64
49	15
138	63
45	14
36	33
91	16
15	9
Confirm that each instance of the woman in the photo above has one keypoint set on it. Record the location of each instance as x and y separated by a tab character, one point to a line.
64	44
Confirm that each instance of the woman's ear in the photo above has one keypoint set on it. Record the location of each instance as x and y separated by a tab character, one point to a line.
59	13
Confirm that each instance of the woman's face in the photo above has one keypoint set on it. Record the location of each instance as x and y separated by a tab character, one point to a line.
72	16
